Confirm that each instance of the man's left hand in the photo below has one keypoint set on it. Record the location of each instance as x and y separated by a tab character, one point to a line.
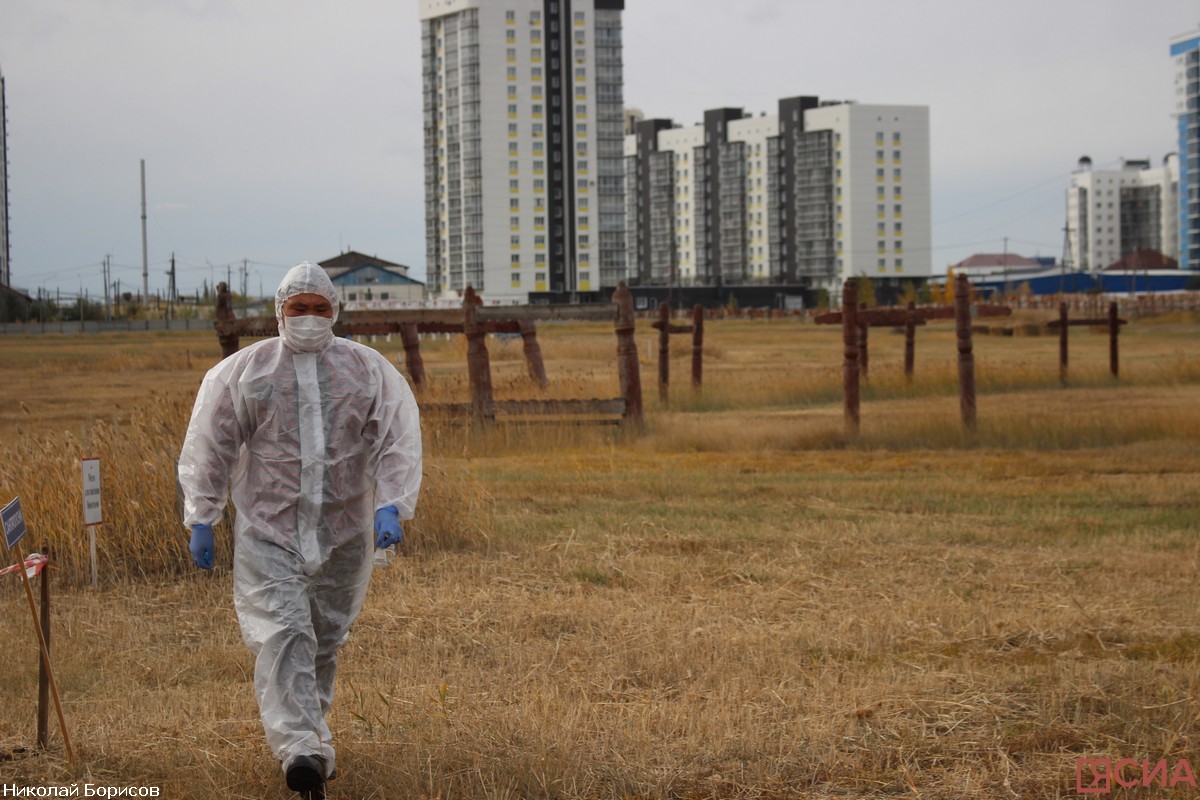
388	530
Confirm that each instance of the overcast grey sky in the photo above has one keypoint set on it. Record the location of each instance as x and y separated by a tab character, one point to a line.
278	131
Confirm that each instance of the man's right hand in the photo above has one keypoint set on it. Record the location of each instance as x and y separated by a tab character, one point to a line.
202	546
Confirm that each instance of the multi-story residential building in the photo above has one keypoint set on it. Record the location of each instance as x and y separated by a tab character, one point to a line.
809	196
523	110
5	246
1185	52
1112	214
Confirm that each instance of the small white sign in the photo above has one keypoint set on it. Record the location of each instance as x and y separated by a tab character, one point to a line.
92	511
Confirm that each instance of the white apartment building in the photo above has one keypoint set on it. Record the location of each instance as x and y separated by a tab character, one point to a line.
523	110
882	194
1185	56
811	195
1113	213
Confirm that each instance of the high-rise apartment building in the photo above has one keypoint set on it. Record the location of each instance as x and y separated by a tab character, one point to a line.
809	196
523	112
5	246
1112	214
1185	52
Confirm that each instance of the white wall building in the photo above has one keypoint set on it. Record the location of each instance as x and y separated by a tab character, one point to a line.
1185	56
523	108
882	193
811	195
1113	213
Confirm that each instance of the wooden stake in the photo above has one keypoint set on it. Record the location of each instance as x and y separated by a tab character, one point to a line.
45	650
43	728
664	351
966	356
850	352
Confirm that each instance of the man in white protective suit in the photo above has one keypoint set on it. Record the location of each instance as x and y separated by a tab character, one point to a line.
315	436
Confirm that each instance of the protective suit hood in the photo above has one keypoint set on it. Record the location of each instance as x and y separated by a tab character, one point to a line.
306	278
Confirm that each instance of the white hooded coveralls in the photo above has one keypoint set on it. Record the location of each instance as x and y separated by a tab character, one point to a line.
311	444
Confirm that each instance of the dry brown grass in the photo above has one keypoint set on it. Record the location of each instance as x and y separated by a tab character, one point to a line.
740	603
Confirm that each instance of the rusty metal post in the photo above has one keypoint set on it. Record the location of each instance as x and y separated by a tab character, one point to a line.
533	352
1062	342
411	338
966	356
863	354
628	371
664	351
479	370
910	341
850	350
697	344
229	341
1114	329
43	717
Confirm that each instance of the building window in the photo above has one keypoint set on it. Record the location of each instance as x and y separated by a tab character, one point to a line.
514	222
353	296
896	174
510	36
510	16
516	260
514	204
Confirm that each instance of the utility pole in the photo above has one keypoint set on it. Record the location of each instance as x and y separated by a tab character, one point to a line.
171	289
107	313
145	257
245	288
1005	268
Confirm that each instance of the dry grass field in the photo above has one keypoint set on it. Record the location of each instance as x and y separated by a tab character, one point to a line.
738	603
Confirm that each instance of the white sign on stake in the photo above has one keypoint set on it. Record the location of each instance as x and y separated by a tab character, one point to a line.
92	511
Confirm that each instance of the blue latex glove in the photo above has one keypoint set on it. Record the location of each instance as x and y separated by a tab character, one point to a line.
388	530
202	545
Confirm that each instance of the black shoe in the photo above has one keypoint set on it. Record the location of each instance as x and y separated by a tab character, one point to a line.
306	775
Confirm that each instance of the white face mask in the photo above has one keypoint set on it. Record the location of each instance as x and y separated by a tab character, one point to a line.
308	333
